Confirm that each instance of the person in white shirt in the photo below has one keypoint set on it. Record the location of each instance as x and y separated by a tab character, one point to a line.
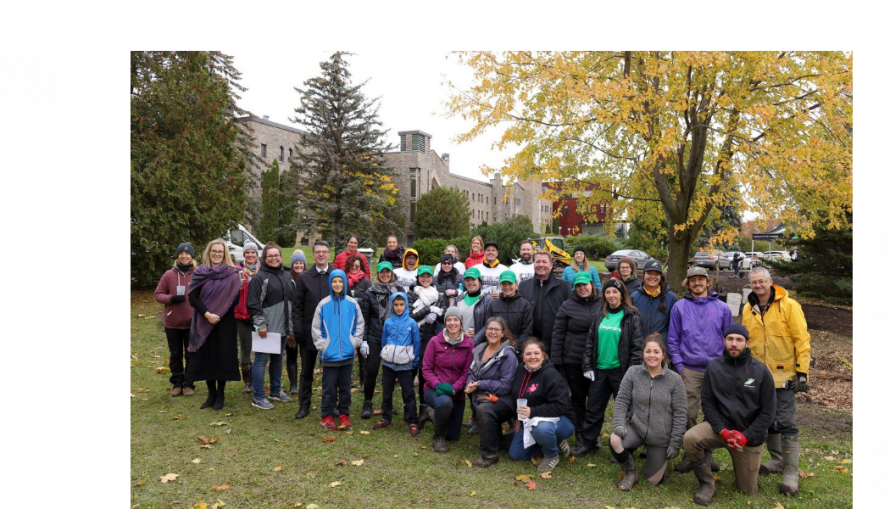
406	275
458	265
524	268
490	269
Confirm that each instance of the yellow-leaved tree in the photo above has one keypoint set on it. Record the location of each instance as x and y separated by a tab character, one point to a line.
675	133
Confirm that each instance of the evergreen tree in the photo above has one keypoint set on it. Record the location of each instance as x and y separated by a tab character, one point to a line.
271	190
188	168
344	186
824	270
443	213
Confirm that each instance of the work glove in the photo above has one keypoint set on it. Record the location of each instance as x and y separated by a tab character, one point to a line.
740	440
176	299
444	388
726	435
437	310
590	375
430	318
621	431
364	349
672	452
800	383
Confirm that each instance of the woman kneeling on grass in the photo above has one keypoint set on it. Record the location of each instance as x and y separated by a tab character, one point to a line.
650	409
488	384
542	405
337	330
446	363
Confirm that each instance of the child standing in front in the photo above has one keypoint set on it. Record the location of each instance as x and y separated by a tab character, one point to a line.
337	330
400	354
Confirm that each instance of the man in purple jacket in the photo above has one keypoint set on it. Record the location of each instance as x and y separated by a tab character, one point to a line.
695	338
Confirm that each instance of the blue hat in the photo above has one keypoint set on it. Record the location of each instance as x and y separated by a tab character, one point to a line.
298	256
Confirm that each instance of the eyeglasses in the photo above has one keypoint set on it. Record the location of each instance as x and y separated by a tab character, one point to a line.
322	252
272	257
759	282
214	251
490	329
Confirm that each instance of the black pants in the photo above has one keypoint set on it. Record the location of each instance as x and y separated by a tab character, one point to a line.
292	356
606	384
335	389
178	342
308	356
372	369
489	418
406	382
579	387
418	371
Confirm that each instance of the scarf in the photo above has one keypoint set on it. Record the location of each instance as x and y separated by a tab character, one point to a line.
393	256
654	293
353	279
184	268
471	298
218	287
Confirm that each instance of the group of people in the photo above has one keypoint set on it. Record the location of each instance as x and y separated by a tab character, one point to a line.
541	354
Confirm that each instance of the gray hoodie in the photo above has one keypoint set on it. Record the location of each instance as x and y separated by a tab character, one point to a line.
655	407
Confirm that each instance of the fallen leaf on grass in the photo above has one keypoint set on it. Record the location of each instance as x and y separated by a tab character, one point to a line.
547	475
845	461
140	316
524	477
350	432
169	477
177	417
204	440
277	469
841	470
218	423
228	432
363	432
469	465
131	394
352	390
135	506
572	460
166	361
531	485
779	506
335	484
329	439
829	458
357	463
143	390
140	482
716	478
221	487
309	474
591	465
378	412
206	446
229	415
473	494
341	463
312	506
218	505
835	452
161	371
804	475
196	461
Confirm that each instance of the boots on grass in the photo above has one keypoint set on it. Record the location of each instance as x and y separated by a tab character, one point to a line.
245	375
626	459
427	414
705	477
211	395
292	378
367	409
220	395
790	475
774	465
439	437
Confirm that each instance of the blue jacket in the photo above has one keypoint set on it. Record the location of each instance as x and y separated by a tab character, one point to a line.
338	325
695	334
569	275
651	319
400	339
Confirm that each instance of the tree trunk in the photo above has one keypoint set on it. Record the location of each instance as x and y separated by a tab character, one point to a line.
679	247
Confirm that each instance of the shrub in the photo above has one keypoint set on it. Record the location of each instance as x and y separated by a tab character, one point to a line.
598	246
430	250
508	235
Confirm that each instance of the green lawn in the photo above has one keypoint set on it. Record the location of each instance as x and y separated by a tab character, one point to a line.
398	471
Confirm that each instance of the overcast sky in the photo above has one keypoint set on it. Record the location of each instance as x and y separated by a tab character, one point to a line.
411	87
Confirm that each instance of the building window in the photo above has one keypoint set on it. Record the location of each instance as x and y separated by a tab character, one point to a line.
290	153
417	144
404	144
263	150
602	209
486	216
486	200
413	177
281	154
413	210
474	197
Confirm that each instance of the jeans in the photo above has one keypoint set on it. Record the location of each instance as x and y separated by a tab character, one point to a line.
178	342
406	382
258	373
448	411
547	437
335	385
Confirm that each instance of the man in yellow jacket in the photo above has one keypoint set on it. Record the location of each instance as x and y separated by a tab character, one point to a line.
779	339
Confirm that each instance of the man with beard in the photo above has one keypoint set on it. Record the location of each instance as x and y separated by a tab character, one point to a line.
490	269
525	267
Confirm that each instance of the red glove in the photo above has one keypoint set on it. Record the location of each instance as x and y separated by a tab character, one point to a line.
740	439
731	437
726	435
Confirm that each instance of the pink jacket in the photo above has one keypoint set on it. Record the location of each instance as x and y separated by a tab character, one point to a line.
443	362
176	316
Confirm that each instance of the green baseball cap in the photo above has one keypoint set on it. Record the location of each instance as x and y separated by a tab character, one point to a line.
384	265
582	278
472	273
508	276
424	269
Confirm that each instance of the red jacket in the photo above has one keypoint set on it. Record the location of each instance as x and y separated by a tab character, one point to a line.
241	309
340	263
176	316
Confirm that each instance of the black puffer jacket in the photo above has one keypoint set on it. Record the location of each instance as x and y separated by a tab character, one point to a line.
629	353
377	307
518	314
571	327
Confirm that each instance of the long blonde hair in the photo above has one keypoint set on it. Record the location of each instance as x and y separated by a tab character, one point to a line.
227	258
586	265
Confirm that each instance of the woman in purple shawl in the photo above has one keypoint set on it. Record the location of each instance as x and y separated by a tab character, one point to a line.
213	293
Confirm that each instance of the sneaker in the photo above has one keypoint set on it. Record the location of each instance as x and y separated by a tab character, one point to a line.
344	422
564	450
328	422
382	423
414	430
263	404
177	391
474	428
302	413
367	410
282	397
548	463
188	391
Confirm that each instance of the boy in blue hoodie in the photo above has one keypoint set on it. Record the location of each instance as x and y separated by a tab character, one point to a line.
400	354
337	330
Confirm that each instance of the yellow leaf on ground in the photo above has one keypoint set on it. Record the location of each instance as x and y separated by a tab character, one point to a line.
779	506
357	463
222	487
804	475
363	432
547	475
169	477
196	461
218	505
473	494
469	465
140	482
312	506
335	484
524	477
277	469
591	465
845	460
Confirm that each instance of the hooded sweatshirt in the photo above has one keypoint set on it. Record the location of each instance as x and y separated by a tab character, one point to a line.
400	339
447	363
404	277
337	326
545	390
176	316
695	333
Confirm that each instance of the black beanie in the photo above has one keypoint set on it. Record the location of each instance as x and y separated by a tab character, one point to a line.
580	248
614	283
737	328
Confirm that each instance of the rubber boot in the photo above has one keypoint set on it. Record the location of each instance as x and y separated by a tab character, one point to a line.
245	375
705	477
790	475
684	466
626	459
439	437
426	415
774	465
292	378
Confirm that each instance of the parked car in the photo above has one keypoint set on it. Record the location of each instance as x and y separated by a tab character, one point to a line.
235	240
726	261
784	256
639	257
752	262
708	259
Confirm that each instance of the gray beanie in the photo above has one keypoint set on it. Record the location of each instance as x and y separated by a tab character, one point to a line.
248	246
453	311
298	256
